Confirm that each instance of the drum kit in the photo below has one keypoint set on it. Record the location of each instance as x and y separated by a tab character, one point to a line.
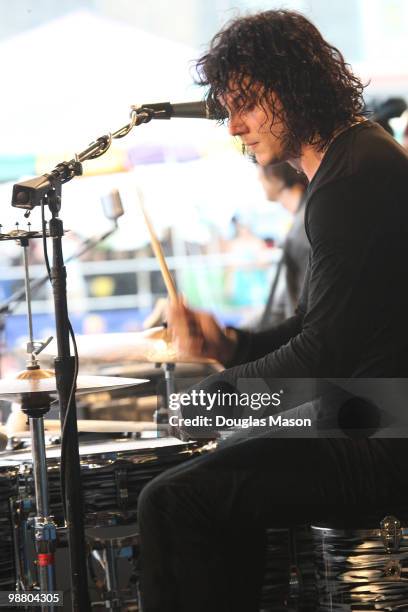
113	472
113	467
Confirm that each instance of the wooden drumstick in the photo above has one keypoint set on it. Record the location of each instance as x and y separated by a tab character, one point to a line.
167	277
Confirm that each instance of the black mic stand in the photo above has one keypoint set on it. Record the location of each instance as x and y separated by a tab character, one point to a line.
43	191
64	374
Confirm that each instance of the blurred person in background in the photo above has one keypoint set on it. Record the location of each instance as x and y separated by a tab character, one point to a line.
386	110
285	185
245	280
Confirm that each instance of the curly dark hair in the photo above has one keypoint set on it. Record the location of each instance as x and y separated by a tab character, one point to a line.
282	53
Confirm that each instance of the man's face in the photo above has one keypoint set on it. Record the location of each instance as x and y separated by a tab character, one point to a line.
260	129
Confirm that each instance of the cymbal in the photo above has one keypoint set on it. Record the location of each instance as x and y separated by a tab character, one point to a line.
53	426
154	374
18	234
13	389
152	346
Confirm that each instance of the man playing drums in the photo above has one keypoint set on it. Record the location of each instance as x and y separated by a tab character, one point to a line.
289	96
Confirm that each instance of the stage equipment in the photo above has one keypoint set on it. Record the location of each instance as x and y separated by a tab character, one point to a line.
113	473
46	191
35	388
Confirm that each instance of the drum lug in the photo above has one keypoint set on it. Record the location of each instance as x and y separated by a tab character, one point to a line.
122	491
391	533
295	583
392	570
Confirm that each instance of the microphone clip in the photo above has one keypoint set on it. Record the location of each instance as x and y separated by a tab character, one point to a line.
144	114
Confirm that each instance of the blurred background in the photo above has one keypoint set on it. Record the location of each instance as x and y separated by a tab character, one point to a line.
70	72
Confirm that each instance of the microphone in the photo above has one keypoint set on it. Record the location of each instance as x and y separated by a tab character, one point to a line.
183	110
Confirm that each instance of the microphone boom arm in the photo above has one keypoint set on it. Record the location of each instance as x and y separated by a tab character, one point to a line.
29	194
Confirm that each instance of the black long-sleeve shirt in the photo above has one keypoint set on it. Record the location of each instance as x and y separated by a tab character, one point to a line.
352	316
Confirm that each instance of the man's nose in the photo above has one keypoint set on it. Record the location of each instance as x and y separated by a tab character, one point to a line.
236	124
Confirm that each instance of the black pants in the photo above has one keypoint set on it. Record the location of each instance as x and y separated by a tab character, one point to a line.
202	523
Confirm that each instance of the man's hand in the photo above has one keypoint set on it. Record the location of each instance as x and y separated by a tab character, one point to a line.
199	334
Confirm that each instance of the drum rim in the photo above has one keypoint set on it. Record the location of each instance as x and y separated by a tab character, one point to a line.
120	446
373	532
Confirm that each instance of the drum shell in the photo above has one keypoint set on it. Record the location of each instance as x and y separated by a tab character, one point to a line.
113	475
351	570
8	492
289	577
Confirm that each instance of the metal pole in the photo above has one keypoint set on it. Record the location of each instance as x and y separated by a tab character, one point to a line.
28	292
64	373
45	528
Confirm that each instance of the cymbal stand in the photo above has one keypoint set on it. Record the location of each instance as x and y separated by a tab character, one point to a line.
34	347
45	191
161	415
45	530
170	382
35	405
10	304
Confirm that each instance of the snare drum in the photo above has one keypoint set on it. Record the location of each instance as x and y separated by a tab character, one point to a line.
113	474
8	491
